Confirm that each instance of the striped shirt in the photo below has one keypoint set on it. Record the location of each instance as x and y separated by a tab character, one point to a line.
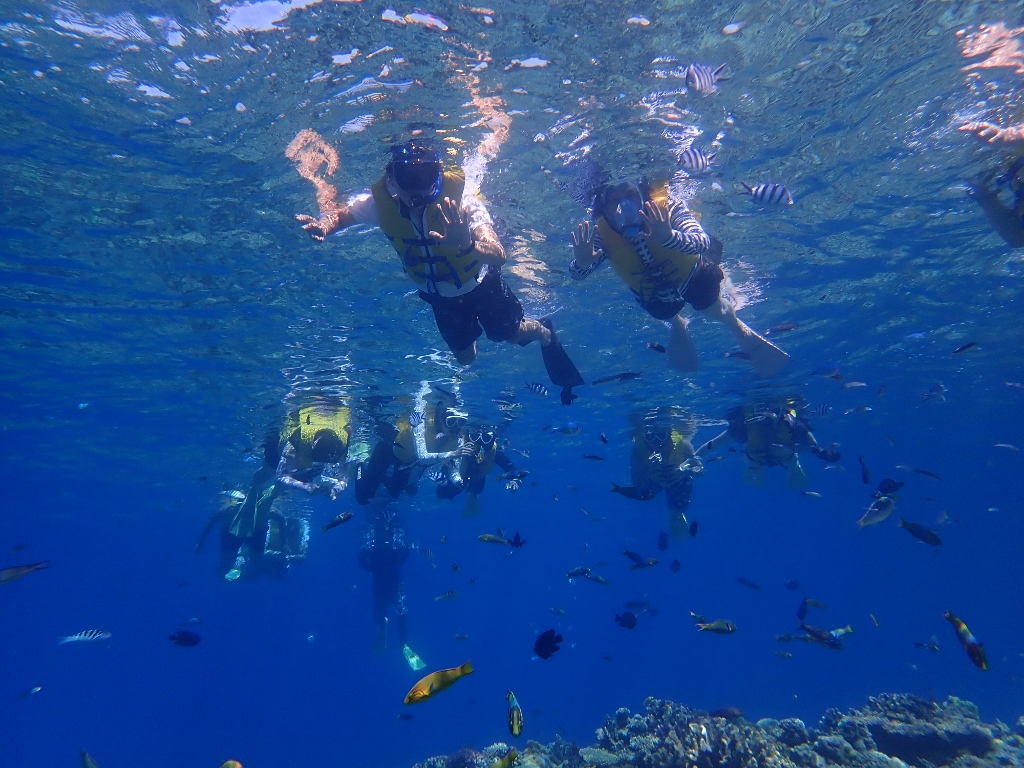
688	236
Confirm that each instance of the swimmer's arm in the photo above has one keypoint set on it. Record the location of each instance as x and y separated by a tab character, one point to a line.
688	235
486	245
713	444
358	209
580	272
993	134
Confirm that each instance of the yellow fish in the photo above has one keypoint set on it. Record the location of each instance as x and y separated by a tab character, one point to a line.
87	762
507	760
232	764
435	682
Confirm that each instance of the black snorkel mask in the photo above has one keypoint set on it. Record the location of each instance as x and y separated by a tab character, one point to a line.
621	207
417	171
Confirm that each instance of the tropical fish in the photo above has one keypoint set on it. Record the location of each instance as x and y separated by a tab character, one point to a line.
828	372
820	410
86	636
451	594
748	583
633	492
693	529
490	538
638	560
16	572
812	494
516	474
404	716
515	715
627	620
344	517
537	389
88	762
853	385
581	572
702	78
231	764
965	347
728	713
653	345
925	472
31	692
572	428
889	487
626	376
858	409
435	682
592	457
822	637
559	612
546	644
675	566
932	644
879	510
918	531
604	438
185	639
695	159
598	579
507	761
718	627
697	617
974	649
937	392
517	541
864	474
812	603
782	328
839	633
784	654
801	612
662	541
769	192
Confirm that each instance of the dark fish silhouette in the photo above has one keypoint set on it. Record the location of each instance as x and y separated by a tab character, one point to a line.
344	517
792	584
919	532
748	583
801	612
965	347
782	328
693	529
627	620
888	486
516	541
16	572
604	439
823	637
864	474
547	644
728	713
662	541
633	492
185	638
970	643
625	376
676	565
592	457
656	347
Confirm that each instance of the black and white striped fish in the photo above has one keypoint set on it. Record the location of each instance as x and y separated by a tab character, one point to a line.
769	192
820	410
537	389
695	159
702	79
87	636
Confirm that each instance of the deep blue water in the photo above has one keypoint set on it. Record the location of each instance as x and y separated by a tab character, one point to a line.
160	311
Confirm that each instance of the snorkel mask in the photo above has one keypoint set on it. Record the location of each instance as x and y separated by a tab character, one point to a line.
621	207
417	172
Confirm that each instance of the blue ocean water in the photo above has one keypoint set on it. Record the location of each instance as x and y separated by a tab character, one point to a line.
162	310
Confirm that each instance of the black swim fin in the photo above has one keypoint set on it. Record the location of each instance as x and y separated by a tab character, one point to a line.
560	368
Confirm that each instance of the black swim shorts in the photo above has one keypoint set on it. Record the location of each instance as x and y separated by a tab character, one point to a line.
701	293
491	305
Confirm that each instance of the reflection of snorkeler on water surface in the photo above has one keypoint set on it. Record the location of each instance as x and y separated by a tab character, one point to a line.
772	434
383	554
659	249
309	454
663	458
430	434
446	243
1007	220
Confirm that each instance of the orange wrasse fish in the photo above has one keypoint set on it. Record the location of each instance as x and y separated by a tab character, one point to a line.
970	643
435	682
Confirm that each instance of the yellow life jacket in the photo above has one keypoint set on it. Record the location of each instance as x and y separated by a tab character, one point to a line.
405	441
303	426
649	475
765	435
418	254
674	266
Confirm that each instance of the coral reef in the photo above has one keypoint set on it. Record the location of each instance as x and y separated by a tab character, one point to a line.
892	731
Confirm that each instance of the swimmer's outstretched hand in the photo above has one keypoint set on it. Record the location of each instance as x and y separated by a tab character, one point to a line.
583	243
993	134
319	228
659	226
456	231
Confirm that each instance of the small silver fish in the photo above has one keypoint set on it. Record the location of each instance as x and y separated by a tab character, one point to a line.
695	159
87	636
702	78
769	192
451	594
938	392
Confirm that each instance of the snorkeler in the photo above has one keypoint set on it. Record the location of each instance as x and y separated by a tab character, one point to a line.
430	434
663	459
309	453
659	249
472	469
448	248
383	554
772	434
1007	220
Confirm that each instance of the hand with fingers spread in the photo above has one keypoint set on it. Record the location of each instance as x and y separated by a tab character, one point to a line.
583	243
456	231
993	134
659	225
322	227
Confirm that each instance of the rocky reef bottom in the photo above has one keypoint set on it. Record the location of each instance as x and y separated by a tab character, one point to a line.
892	731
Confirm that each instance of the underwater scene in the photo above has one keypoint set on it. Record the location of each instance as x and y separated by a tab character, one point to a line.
559	384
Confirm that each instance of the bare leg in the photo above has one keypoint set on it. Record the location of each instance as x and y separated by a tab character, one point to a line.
682	355
467	355
1002	218
529	331
766	358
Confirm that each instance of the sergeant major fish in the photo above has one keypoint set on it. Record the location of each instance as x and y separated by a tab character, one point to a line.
702	78
769	192
87	636
537	389
695	159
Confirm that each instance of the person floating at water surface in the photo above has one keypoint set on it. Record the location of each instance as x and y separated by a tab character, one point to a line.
448	248
1007	220
659	249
